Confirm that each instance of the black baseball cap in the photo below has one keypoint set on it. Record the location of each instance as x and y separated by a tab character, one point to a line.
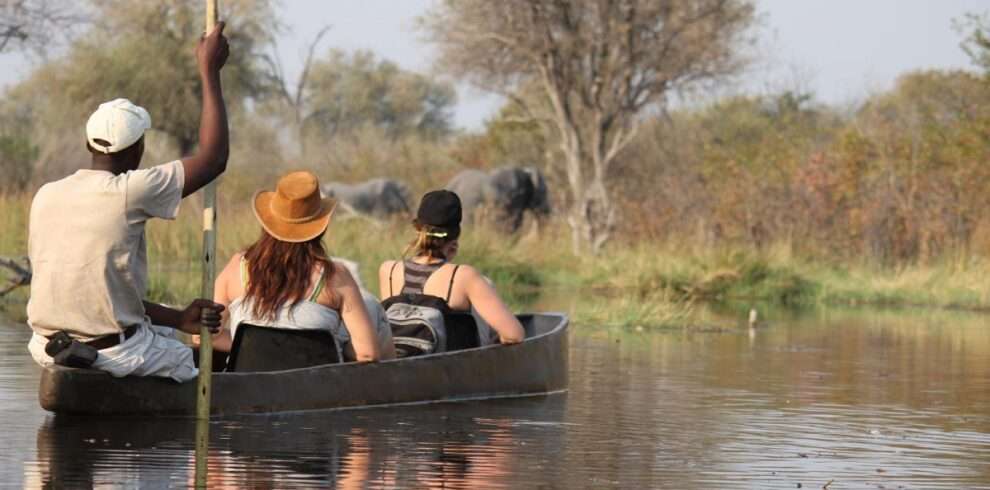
440	209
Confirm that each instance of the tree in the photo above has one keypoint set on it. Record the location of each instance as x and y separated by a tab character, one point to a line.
507	139
928	170
599	64
144	51
343	92
976	44
34	24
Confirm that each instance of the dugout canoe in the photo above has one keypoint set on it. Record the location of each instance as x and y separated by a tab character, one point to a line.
537	365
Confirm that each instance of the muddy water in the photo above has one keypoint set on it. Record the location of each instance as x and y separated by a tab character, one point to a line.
862	399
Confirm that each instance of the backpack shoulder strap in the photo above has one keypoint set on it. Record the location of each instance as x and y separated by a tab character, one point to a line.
450	287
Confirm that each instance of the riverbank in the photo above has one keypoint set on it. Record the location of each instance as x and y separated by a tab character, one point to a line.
644	284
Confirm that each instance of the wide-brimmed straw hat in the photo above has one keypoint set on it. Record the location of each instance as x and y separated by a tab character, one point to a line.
294	212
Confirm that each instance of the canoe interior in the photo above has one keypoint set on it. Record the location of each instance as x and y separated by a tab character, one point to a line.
536	365
258	348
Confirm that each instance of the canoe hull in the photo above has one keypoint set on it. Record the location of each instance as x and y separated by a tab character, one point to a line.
537	365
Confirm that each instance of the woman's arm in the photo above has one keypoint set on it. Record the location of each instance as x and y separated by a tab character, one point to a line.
355	316
483	297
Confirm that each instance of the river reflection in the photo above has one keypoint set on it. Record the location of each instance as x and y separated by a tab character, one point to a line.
862	399
432	446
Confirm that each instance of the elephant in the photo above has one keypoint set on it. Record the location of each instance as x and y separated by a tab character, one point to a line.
507	191
379	197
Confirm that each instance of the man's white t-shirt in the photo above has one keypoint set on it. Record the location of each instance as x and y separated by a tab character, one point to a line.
87	248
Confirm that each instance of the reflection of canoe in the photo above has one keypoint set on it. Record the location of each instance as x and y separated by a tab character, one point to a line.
455	443
536	365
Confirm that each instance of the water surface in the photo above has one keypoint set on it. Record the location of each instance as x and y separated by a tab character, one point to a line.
862	399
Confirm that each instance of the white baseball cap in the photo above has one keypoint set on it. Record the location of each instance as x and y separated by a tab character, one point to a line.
118	122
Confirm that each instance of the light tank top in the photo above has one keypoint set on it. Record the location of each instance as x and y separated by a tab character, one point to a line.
304	315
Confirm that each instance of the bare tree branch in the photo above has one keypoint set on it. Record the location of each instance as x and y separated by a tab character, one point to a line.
38	24
20	270
304	77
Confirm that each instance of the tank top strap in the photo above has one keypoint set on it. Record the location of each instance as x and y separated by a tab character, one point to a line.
319	285
450	287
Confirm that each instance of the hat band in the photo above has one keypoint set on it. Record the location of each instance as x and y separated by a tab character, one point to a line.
311	217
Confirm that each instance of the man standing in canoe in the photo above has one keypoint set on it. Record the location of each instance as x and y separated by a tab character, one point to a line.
87	248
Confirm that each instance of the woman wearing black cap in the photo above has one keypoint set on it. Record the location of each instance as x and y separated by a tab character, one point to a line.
430	273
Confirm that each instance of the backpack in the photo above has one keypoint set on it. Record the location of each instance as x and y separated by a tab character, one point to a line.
418	321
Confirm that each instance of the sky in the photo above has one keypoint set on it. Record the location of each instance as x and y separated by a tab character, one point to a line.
841	50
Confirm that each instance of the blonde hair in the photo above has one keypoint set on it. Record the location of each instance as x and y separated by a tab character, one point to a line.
430	241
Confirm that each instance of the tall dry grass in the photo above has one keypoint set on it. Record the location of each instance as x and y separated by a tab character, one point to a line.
643	283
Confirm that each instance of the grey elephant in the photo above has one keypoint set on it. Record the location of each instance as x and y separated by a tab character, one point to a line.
507	191
379	197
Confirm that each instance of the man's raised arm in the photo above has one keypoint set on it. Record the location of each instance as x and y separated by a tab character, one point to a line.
210	159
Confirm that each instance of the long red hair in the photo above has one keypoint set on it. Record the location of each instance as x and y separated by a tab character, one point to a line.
280	272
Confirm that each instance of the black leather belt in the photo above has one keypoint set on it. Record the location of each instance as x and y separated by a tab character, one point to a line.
108	341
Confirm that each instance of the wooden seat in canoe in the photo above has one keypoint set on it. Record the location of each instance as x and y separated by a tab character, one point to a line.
258	349
462	331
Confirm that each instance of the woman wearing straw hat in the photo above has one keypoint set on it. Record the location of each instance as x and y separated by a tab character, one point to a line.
287	280
429	277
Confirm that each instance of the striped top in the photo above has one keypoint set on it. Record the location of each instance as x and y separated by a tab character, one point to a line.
416	276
